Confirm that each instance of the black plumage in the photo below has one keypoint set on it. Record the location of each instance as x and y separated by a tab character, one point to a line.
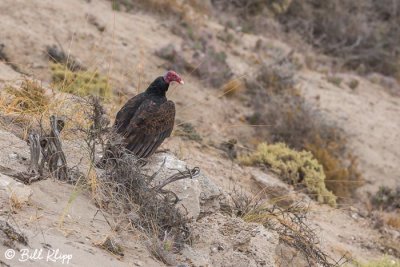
148	118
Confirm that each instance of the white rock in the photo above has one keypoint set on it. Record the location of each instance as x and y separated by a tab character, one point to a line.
12	188
198	196
13	155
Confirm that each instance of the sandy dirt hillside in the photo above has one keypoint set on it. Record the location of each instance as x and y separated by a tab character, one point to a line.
122	46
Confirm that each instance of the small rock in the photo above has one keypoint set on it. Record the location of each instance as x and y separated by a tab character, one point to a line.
138	263
20	192
95	22
13	155
354	216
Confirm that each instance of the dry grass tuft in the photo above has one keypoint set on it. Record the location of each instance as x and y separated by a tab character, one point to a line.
22	106
15	203
28	106
394	221
233	87
29	98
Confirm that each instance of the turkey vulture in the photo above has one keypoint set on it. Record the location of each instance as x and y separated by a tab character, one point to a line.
148	118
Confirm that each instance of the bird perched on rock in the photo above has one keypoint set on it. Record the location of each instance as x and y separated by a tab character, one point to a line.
148	118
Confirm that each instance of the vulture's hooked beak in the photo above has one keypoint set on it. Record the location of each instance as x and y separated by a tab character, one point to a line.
181	82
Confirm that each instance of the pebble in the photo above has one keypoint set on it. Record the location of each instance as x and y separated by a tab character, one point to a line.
138	263
13	155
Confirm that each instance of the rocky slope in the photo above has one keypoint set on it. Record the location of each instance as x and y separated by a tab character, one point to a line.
123	45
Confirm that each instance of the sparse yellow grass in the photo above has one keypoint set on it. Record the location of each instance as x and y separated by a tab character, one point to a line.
30	106
383	262
15	203
80	83
297	168
30	98
24	105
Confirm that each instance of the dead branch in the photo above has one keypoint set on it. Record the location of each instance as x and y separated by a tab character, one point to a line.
176	177
50	147
34	147
57	160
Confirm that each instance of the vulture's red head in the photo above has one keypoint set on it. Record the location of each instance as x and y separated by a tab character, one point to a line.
172	76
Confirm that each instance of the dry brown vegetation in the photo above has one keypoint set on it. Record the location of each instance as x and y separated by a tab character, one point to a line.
122	189
363	34
387	198
30	97
128	194
292	120
290	222
21	106
130	197
206	63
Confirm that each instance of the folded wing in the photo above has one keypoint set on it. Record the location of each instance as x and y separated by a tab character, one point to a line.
149	127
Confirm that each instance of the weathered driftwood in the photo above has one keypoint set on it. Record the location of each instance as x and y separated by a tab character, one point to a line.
34	172
34	147
53	157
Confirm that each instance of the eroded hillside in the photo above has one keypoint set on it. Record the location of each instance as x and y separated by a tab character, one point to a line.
231	78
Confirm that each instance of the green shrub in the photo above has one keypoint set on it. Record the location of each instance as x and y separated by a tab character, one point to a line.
81	83
297	168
